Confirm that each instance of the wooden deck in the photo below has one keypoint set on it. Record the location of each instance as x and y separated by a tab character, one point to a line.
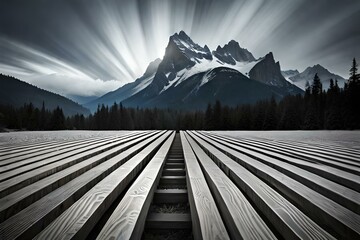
187	185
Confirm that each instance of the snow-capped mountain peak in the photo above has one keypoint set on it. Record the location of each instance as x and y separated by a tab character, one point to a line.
189	70
191	50
232	53
324	74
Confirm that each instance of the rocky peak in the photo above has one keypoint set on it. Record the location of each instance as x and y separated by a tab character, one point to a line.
232	53
268	71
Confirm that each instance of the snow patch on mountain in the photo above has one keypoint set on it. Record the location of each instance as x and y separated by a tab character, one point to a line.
144	83
205	65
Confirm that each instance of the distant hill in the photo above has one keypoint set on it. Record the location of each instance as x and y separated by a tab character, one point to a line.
308	74
15	93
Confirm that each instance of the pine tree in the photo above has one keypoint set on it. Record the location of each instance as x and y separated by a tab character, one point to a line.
209	124
307	89
316	87
354	77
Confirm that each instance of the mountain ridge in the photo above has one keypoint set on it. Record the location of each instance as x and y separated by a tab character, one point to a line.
324	74
187	68
16	93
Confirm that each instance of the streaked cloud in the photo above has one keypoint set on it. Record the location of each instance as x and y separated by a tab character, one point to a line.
91	47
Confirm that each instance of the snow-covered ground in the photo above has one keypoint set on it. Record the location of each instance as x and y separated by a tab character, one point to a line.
349	139
10	138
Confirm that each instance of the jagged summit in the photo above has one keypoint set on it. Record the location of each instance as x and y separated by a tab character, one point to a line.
186	45
190	76
269	72
232	53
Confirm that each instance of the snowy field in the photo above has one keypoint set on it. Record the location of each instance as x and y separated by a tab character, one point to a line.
349	139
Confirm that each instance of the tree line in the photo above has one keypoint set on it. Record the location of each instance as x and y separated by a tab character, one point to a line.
316	109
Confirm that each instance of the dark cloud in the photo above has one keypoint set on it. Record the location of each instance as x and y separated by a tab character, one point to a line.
103	44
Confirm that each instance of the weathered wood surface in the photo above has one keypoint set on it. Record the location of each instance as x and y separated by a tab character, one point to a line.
289	221
22	179
205	216
24	153
338	193
128	219
80	218
321	209
350	168
29	194
35	217
242	221
238	188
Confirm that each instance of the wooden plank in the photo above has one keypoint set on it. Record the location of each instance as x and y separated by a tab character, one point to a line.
82	216
321	209
16	180
288	220
31	220
306	152
344	178
10	147
14	202
16	163
242	221
206	219
327	147
25	154
344	164
338	193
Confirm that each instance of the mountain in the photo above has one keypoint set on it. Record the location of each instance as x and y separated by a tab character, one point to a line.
232	53
225	84
308	74
190	76
268	72
289	73
16	93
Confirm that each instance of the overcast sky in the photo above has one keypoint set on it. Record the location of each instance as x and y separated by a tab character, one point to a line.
88	47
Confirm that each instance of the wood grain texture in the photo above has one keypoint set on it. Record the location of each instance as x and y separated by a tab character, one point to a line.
37	216
242	221
128	219
80	218
26	154
14	202
321	209
288	220
338	193
19	181
318	155
36	162
206	219
347	172
300	148
55	155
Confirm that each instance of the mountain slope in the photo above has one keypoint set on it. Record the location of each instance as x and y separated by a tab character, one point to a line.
127	90
289	73
308	74
227	85
15	93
